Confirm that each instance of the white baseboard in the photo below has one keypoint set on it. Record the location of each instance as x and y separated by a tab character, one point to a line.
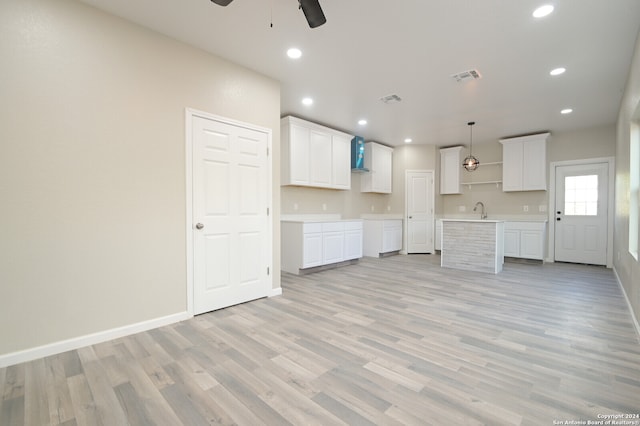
633	315
26	355
275	292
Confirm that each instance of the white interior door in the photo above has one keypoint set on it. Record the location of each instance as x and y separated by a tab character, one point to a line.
419	202
581	213
231	239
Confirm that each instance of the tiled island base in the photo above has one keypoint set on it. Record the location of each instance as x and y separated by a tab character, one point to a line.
473	245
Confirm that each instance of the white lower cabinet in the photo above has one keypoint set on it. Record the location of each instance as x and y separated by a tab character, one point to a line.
438	236
353	240
332	242
310	244
382	236
525	240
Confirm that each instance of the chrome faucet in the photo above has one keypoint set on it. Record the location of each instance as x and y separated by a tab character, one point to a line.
483	214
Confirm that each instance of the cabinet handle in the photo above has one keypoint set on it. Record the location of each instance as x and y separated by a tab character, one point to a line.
199	226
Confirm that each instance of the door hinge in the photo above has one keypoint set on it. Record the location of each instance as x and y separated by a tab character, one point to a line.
268	270
267	211
267	151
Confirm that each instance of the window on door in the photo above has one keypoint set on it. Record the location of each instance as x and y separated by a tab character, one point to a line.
581	195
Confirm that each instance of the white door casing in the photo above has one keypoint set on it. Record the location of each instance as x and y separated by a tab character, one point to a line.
419	199
229	226
581	230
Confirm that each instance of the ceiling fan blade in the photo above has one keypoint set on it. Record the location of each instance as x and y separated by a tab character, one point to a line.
222	2
313	12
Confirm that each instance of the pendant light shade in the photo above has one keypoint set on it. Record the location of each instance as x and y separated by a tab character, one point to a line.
470	163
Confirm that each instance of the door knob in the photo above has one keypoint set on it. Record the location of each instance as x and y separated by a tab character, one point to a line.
199	226
410	217
558	219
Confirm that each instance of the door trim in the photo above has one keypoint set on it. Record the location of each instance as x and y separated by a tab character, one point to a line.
405	232
551	250
190	114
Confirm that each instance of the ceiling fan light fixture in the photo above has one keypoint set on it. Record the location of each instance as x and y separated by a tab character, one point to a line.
313	12
471	163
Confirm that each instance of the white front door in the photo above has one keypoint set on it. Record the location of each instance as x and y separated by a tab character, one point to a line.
231	238
419	202
581	213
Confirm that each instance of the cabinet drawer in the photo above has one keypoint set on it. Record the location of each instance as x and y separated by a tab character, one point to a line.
392	223
356	224
524	226
311	228
332	226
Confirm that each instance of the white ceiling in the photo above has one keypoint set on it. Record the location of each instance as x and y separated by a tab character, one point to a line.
372	48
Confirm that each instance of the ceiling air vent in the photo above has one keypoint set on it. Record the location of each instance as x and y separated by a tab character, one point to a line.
467	75
390	99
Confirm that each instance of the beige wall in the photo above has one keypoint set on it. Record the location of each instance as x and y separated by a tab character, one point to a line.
92	167
627	268
352	203
575	145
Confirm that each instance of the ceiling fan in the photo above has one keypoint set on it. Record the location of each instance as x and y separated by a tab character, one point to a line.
311	9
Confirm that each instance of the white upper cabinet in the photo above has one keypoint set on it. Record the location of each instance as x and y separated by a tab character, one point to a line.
341	161
524	163
379	160
450	167
314	155
321	159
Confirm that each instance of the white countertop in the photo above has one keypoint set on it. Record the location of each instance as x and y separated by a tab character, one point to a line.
381	216
503	218
330	217
317	218
473	220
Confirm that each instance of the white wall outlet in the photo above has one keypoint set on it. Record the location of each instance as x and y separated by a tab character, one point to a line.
388	208
295	206
324	207
542	208
525	208
373	207
462	209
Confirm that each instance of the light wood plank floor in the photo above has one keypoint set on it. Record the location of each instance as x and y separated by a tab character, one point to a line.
393	341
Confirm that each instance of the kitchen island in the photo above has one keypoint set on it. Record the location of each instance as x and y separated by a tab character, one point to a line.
473	245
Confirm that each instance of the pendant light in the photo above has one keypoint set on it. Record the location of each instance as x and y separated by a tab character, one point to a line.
471	163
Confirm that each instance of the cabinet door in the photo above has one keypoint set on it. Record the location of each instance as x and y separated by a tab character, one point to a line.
531	244
382	163
312	250
534	166
353	244
438	237
379	160
298	155
450	166
512	242
392	236
332	247
320	159
341	164
512	155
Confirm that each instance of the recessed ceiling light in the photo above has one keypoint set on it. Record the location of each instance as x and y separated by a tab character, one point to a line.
566	111
362	122
307	101
408	140
294	53
543	11
557	71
